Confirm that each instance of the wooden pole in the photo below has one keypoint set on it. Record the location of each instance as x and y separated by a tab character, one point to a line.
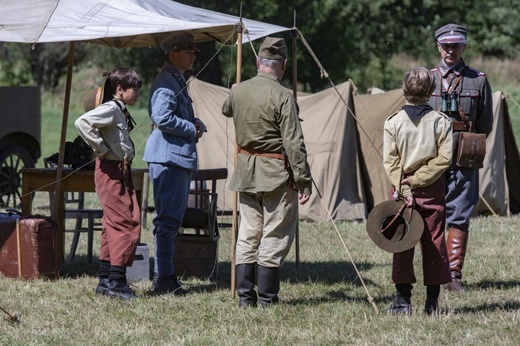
295	94
234	225
58	200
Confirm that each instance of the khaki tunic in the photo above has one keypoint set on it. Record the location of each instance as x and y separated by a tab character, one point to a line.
422	147
265	115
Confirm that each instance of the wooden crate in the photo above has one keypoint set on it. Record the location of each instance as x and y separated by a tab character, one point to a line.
196	256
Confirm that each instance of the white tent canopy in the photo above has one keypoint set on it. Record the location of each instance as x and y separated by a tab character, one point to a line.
118	23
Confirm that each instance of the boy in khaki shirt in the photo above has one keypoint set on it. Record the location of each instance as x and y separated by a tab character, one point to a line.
417	150
106	129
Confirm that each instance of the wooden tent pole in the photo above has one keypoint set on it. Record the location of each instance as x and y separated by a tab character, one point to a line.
234	224
295	94
58	199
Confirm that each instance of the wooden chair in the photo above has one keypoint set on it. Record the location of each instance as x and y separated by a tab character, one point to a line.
196	247
201	213
75	210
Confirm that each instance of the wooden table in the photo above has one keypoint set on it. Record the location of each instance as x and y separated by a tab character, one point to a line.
44	179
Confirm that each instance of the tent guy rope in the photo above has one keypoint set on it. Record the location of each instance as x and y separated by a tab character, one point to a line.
325	74
370	299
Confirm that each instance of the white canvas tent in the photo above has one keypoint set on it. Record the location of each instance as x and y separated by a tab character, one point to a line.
346	156
118	23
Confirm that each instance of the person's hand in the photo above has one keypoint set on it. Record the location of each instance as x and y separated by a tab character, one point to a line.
302	199
201	128
409	201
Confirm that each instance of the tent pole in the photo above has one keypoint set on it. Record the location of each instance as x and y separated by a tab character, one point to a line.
295	94
58	200
234	223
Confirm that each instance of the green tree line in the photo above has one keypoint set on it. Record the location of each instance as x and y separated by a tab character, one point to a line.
356	39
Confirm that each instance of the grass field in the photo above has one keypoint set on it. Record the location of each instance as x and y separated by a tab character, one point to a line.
323	300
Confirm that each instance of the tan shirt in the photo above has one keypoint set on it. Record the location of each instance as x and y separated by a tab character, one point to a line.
422	147
106	131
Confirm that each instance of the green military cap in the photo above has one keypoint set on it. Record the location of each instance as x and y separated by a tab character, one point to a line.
273	48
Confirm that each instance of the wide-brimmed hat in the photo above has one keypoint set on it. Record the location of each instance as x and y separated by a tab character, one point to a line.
393	227
96	97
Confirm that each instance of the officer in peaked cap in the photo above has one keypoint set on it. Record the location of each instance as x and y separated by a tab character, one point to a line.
464	94
451	33
178	41
171	154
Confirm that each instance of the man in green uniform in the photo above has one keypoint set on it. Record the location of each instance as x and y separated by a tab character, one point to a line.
272	174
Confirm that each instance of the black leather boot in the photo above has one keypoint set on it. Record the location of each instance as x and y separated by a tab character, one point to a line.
169	284
245	274
401	304
117	285
120	289
104	272
431	306
102	286
432	299
268	285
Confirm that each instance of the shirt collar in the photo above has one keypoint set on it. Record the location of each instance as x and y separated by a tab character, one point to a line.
169	66
457	69
270	76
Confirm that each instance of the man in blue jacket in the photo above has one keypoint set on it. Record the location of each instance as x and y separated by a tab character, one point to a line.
171	153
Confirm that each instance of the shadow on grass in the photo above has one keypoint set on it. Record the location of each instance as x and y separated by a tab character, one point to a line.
507	306
79	267
319	272
342	295
490	284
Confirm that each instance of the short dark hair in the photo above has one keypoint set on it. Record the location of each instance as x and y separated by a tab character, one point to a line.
418	85
124	76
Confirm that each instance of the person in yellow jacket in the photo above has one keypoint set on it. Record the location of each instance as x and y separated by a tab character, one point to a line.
417	150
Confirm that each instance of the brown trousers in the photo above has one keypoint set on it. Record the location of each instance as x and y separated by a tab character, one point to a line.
121	213
430	203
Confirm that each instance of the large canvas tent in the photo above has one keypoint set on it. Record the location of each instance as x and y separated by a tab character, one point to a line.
118	23
344	144
330	136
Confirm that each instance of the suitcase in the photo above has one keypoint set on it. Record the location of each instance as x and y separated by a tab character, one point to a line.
28	246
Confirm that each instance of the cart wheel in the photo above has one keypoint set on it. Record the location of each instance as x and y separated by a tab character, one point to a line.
12	160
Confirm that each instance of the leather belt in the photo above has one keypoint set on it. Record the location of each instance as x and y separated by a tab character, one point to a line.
256	152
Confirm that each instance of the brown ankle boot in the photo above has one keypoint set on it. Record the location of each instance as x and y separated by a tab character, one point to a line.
456	243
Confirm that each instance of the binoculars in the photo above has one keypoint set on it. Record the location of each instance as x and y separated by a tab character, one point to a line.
449	102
